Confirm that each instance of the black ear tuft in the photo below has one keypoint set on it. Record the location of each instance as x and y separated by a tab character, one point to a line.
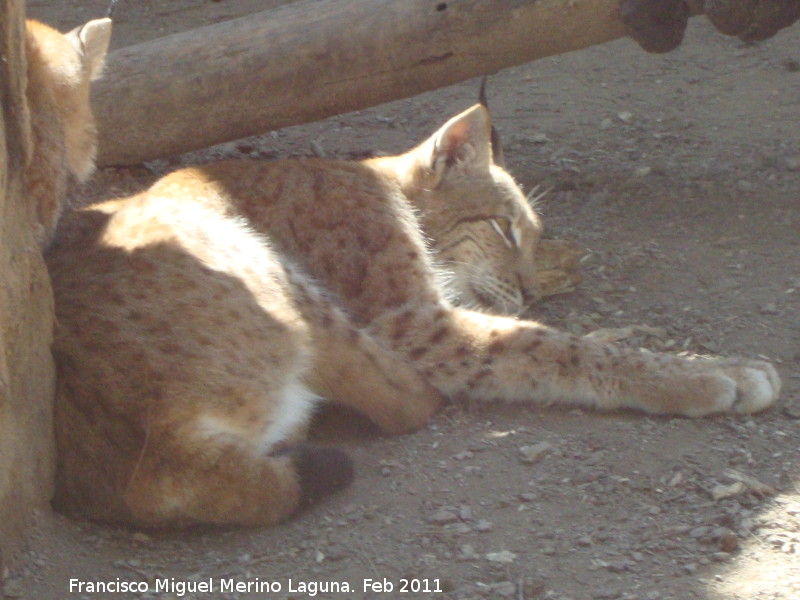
111	7
482	93
497	147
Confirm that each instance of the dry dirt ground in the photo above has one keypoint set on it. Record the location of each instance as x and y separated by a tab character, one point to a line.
681	174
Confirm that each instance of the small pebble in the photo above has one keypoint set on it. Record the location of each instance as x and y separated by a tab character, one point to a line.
443	517
533	454
504	589
483	526
504	557
793	162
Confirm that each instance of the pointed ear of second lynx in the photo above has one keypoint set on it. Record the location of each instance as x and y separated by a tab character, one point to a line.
91	42
464	142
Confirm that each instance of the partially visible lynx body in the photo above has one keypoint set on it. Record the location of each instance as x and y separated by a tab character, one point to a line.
60	67
199	320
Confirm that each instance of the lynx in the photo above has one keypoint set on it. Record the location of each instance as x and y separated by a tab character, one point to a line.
202	320
60	68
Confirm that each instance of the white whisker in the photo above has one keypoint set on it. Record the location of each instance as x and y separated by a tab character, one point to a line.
534	196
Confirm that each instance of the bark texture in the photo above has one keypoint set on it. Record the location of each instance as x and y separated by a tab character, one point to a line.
26	311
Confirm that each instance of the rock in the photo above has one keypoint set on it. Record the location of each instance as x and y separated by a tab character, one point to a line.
483	526
625	116
336	552
533	454
721	491
727	540
617	566
504	557
792	162
753	485
548	550
701	532
443	517
458	528
770	308
505	589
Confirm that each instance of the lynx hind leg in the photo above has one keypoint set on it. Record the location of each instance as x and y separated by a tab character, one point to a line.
232	485
228	468
122	469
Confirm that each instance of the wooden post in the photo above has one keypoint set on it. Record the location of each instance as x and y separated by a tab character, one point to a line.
312	59
26	310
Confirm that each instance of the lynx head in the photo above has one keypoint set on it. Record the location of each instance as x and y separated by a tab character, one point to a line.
64	135
483	231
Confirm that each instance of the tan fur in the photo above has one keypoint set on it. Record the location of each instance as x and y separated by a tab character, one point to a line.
482	230
192	316
60	67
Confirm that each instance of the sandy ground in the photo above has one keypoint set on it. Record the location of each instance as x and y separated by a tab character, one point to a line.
681	174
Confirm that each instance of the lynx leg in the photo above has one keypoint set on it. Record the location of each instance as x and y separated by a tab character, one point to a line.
354	369
157	469
234	486
488	357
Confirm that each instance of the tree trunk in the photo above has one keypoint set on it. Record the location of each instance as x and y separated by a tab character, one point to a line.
312	59
26	310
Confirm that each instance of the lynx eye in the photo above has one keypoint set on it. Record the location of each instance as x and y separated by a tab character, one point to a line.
503	226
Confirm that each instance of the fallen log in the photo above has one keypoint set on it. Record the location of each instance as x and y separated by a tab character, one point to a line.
312	59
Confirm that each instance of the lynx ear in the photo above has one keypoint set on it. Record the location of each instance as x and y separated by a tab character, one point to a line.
91	42
463	143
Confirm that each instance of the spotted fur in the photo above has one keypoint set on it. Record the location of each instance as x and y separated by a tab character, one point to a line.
194	315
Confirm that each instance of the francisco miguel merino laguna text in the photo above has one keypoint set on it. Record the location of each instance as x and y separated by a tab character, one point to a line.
310	588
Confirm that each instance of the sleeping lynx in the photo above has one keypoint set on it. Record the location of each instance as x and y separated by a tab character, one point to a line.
200	321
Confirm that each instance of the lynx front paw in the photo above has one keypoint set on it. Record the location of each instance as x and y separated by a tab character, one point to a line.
713	386
757	384
732	386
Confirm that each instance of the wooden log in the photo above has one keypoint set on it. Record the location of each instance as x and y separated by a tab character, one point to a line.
27	375
316	58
